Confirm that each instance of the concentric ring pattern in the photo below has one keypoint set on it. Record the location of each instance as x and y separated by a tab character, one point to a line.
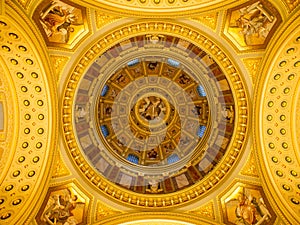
142	119
154	115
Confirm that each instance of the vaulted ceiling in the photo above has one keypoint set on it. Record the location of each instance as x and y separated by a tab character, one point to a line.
149	112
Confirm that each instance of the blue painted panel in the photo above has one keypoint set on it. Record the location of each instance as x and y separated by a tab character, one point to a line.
201	91
133	158
172	159
173	62
104	130
104	90
133	62
201	131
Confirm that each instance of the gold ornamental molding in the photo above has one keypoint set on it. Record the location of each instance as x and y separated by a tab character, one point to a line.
292	4
210	20
162	8
275	124
235	147
157	218
33	142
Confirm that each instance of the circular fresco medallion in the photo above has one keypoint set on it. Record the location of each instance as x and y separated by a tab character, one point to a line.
154	117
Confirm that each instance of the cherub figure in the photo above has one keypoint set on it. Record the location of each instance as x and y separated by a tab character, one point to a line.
154	187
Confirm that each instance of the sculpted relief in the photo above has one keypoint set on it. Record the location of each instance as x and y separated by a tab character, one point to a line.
252	24
61	23
62	206
247	205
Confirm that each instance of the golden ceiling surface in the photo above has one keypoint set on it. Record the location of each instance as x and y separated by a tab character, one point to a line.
162	8
170	112
156	116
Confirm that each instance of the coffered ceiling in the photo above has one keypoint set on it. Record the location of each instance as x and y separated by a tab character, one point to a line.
149	112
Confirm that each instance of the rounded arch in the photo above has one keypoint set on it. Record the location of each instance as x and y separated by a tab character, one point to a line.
275	113
35	137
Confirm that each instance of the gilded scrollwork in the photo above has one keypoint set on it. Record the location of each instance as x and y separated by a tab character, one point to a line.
252	65
59	62
103	19
209	20
206	210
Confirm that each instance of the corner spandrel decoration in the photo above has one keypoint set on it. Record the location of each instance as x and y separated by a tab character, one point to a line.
63	205
246	204
251	25
62	23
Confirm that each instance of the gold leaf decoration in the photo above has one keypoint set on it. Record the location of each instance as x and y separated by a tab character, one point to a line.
24	3
104	211
60	168
58	63
297	119
292	4
250	169
206	210
252	65
209	20
103	19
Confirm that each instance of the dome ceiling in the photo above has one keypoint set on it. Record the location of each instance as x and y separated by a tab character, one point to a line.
155	114
161	124
174	111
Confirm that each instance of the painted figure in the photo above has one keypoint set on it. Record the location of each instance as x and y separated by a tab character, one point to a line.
151	107
154	187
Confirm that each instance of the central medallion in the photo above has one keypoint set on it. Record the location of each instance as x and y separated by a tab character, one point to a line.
151	108
151	112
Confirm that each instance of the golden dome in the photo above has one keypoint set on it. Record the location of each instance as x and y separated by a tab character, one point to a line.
149	112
